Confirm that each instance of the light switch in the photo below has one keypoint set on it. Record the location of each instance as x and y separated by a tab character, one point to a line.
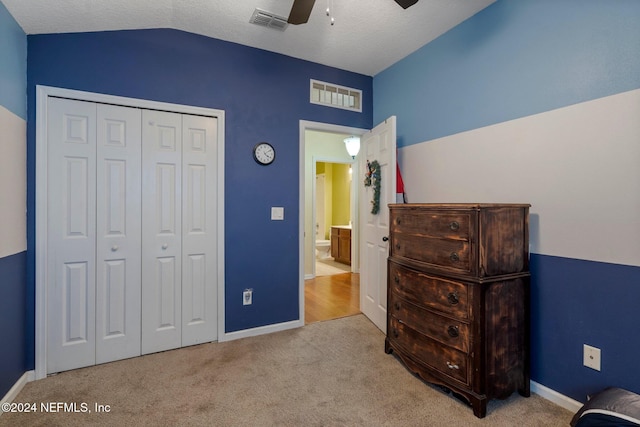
277	213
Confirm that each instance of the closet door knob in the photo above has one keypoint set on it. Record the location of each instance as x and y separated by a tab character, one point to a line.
165	246
114	248
385	239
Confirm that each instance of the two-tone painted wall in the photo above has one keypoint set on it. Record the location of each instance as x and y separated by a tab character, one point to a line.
13	187
264	96
538	101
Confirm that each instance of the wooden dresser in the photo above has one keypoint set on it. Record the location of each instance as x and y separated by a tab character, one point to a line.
458	297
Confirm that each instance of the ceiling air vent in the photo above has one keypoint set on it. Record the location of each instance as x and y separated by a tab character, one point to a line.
269	20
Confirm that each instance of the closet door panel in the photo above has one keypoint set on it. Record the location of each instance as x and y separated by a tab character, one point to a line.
71	235
118	246
161	231
199	250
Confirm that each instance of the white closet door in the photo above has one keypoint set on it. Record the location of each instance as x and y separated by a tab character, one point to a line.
161	231
118	249
71	239
199	219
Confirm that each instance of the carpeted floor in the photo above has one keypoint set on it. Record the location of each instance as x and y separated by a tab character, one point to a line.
332	373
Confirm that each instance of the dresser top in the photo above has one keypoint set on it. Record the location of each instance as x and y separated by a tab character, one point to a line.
457	205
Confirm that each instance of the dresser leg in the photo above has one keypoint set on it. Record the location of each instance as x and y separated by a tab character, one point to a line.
525	391
387	347
479	407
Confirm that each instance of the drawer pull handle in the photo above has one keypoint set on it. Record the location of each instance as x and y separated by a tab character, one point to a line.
395	332
453	331
398	221
398	246
397	306
454	257
396	279
452	366
453	298
454	226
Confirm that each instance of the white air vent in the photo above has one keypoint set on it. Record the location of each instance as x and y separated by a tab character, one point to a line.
332	95
269	20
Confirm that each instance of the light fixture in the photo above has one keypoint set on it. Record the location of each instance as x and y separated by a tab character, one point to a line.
353	145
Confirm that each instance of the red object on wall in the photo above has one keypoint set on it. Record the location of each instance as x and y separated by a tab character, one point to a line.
399	183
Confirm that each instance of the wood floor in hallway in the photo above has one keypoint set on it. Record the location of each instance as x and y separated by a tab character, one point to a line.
331	297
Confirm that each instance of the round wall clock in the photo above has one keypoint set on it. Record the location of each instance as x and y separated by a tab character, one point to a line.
264	153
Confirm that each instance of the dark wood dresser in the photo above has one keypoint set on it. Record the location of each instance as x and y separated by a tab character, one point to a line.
458	297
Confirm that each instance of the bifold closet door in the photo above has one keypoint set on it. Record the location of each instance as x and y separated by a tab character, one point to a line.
161	231
71	238
118	221
93	237
179	261
131	233
199	221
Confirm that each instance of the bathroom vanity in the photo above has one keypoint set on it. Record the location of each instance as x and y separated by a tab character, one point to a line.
341	243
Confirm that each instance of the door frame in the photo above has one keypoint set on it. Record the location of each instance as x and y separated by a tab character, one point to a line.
41	279
305	125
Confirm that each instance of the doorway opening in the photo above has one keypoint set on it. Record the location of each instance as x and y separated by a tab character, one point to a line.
329	276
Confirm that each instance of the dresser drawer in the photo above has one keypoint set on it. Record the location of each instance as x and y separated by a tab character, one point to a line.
442	329
447	296
449	225
444	359
452	255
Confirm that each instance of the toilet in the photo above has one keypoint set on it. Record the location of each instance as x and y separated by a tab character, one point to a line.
323	249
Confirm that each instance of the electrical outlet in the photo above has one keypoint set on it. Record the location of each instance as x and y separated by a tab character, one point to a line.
591	358
247	297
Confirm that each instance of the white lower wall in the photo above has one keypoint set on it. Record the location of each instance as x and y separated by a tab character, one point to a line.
578	166
13	183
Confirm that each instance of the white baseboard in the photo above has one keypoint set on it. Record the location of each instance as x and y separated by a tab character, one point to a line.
18	386
262	330
555	397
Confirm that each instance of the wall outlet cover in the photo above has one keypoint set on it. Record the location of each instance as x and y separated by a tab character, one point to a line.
591	358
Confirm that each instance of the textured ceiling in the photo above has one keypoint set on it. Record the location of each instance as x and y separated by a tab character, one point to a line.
368	35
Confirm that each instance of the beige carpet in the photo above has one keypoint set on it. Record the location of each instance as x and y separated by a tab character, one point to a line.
332	373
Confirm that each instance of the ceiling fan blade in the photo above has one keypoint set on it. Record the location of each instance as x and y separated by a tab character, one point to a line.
300	11
406	3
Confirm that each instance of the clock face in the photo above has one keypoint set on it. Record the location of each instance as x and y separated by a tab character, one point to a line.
264	153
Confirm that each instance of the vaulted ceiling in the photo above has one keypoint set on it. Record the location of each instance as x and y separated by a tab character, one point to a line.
367	36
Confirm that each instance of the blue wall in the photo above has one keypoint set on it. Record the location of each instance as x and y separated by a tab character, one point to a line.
12	312
264	95
576	302
480	80
513	59
13	110
13	64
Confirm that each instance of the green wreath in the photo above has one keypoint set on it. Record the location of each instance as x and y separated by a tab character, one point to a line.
372	177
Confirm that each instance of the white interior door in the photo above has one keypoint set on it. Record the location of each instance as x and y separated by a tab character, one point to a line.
199	220
378	144
118	249
161	231
71	238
